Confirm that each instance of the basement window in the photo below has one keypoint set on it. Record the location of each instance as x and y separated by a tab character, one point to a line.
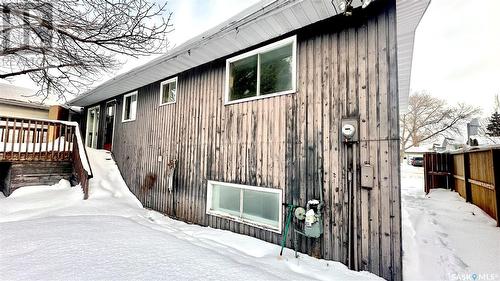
252	205
264	72
168	91
129	107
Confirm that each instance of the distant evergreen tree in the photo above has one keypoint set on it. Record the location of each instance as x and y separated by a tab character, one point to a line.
493	127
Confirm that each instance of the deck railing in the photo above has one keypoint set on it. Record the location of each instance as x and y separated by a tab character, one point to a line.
23	139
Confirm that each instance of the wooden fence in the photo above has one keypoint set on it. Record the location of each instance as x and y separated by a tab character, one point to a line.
437	171
475	175
23	139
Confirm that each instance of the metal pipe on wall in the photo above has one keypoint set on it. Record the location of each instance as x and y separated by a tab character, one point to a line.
349	161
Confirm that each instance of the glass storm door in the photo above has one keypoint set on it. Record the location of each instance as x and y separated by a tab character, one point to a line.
92	127
109	125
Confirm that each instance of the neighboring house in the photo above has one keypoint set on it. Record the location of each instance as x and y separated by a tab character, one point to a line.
21	102
452	144
448	144
249	115
417	151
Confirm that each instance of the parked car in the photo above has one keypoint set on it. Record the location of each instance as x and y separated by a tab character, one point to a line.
417	161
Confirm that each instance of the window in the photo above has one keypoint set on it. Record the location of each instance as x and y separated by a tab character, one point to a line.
168	91
264	72
252	205
129	107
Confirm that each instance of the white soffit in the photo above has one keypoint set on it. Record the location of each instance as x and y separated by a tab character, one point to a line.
408	13
263	21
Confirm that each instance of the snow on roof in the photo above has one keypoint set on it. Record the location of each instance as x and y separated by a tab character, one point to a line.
418	149
453	141
487	140
20	96
263	21
14	95
469	148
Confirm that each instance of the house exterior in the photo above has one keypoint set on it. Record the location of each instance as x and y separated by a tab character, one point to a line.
448	144
260	111
418	151
20	102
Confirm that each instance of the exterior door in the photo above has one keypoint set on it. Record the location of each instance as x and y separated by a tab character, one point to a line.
109	125
92	127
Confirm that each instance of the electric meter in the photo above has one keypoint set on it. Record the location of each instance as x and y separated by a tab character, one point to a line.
348	130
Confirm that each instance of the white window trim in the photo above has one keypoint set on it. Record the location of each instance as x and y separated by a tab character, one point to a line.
161	90
123	106
270	47
87	127
224	215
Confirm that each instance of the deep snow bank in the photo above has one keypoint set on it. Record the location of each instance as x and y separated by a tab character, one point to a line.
50	233
108	195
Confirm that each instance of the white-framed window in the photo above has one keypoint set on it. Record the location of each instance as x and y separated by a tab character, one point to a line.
257	206
168	91
263	72
129	107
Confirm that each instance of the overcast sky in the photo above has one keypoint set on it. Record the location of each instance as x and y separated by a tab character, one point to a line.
457	52
192	17
456	56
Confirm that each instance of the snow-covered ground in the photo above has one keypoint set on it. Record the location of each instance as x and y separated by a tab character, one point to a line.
50	233
445	238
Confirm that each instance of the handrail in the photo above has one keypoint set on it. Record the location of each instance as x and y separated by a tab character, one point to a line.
31	139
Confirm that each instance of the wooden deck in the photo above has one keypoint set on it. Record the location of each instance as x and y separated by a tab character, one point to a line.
42	142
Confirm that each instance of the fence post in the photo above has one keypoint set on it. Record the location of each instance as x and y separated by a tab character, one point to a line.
496	180
468	191
426	172
449	167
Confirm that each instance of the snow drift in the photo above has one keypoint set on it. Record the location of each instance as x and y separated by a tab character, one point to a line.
51	233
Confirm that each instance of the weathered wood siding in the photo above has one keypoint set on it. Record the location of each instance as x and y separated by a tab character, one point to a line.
346	68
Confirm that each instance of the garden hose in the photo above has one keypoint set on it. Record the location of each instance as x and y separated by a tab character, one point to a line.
291	208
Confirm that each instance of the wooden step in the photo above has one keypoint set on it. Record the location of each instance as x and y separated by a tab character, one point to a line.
18	174
19	181
40	167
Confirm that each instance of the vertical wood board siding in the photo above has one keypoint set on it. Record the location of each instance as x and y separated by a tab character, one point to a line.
345	68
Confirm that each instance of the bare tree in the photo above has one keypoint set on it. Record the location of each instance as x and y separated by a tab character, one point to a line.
428	117
66	45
